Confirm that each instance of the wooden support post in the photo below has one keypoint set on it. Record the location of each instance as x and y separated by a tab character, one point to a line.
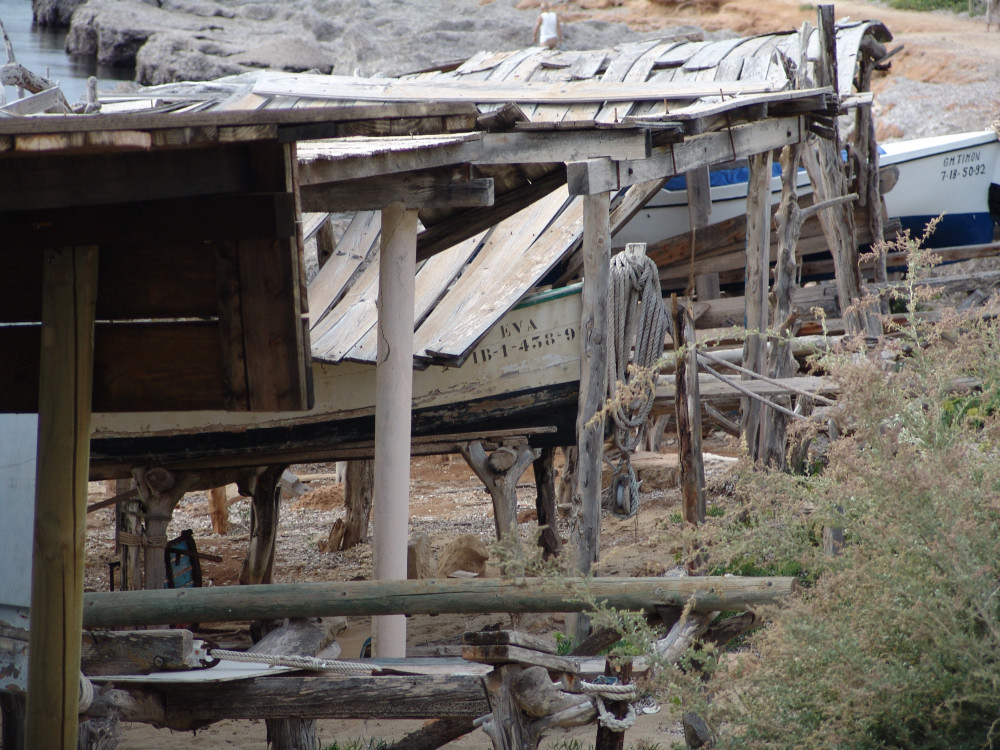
608	739
499	472
69	294
545	503
359	486
593	368
129	517
393	405
297	638
435	733
826	173
699	214
687	408
781	361
258	566
12	721
218	505
758	256
159	490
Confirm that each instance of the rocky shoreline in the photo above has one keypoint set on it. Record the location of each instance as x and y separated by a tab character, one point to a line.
197	40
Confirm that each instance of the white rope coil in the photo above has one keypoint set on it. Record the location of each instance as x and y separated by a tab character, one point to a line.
297	662
637	323
601	692
86	694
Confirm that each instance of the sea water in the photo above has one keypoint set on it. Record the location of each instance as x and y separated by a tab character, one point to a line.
43	51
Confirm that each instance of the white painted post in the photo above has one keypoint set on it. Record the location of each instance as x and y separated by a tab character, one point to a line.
393	397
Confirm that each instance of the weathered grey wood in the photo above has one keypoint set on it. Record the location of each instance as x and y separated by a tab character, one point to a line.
160	491
687	411
599	175
537	696
593	372
608	739
356	598
826	173
500	478
359	490
756	318
188	706
505	654
296	638
545	502
262	488
356	248
49	100
136	651
413	191
69	287
781	361
507	726
542	147
509	638
485	92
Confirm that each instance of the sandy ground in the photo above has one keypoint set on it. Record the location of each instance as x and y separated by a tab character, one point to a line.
944	80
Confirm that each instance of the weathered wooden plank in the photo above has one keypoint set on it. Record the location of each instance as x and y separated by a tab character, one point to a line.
354	249
563	146
432	596
523	250
136	651
636	70
334	336
509	638
433	280
461	225
417	190
394	90
710	55
354	158
743	140
510	654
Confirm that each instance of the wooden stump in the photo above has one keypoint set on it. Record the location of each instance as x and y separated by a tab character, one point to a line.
359	487
219	509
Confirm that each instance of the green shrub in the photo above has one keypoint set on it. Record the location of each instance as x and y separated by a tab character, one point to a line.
896	642
955	6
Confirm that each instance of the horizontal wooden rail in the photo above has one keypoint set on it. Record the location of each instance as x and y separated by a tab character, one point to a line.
434	596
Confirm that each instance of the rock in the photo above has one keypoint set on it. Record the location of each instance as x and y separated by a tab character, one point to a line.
419	564
196	40
467	552
54	12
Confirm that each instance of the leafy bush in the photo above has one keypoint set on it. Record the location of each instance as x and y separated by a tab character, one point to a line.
895	642
955	6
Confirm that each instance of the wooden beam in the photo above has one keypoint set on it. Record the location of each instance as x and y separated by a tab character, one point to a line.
410	190
757	276
69	286
361	598
393	413
593	373
544	147
216	217
599	175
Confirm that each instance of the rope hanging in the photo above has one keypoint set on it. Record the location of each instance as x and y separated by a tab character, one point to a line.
638	323
298	662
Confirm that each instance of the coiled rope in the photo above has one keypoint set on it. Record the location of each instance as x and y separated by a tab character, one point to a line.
601	691
638	323
298	662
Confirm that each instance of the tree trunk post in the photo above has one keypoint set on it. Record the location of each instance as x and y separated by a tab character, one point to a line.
499	471
359	486
545	503
393	413
593	369
69	294
687	408
219	508
258	565
608	739
159	491
758	257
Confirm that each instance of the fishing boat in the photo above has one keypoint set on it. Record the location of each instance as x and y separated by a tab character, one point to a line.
955	175
524	373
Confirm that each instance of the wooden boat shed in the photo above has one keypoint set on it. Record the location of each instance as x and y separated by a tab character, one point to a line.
164	248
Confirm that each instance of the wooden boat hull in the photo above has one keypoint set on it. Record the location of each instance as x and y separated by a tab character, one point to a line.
948	175
524	373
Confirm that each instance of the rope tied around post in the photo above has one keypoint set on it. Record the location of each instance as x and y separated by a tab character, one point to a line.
638	324
613	691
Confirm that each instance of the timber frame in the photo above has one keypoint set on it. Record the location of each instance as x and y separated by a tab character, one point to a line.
180	228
